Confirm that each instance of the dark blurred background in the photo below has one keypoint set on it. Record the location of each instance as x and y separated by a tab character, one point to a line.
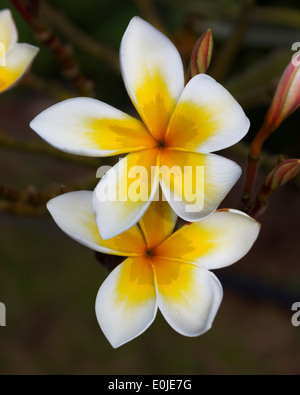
49	282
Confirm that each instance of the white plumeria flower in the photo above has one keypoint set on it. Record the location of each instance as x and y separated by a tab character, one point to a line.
180	127
15	58
164	270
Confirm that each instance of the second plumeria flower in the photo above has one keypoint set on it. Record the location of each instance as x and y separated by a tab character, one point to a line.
180	127
164	270
15	58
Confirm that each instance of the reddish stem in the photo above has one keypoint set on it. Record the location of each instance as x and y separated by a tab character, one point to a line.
252	165
261	202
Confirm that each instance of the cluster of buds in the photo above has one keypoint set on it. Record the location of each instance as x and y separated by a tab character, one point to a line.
285	101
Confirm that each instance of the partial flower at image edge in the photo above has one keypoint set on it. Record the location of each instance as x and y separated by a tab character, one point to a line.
15	58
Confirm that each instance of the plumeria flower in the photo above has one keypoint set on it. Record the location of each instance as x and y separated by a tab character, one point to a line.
180	128
164	270
15	58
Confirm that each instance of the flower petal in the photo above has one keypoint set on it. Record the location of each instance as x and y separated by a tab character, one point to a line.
217	241
188	296
153	74
158	222
18	60
125	192
207	118
8	30
200	182
73	213
126	303
89	127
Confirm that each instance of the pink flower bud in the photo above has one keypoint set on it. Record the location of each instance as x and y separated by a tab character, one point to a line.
201	55
287	96
282	173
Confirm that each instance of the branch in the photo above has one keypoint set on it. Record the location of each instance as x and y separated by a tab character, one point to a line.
49	87
35	147
79	38
31	201
63	53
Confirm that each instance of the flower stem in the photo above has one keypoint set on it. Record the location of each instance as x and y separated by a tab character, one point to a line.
261	202
252	165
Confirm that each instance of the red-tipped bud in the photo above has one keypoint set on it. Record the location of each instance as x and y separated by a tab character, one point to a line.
201	55
282	173
287	96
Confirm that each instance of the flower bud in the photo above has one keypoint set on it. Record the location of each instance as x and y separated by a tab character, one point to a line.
282	173
201	55
287	96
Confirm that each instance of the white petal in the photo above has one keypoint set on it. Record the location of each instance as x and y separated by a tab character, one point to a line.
8	30
188	296
126	303
153	74
158	222
89	127
201	183
217	241
123	195
73	213
207	118
17	62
